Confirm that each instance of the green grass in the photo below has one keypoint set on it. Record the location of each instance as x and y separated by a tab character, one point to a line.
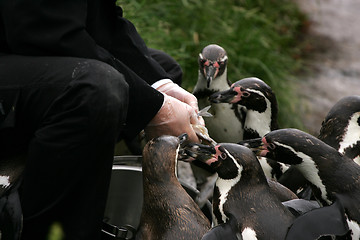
260	37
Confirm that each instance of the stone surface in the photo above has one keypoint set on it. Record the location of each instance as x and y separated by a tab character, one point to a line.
335	57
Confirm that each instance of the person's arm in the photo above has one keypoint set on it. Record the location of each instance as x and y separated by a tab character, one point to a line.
59	28
53	28
78	28
62	28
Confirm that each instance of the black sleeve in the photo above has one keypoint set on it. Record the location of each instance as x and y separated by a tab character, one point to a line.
130	48
48	28
76	28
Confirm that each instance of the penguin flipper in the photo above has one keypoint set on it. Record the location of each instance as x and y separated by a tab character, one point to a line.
325	221
299	207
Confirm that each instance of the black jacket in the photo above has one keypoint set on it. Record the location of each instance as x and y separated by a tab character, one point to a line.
88	29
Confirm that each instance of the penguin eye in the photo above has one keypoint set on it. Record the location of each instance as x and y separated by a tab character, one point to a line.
222	152
245	94
202	60
206	62
272	146
223	156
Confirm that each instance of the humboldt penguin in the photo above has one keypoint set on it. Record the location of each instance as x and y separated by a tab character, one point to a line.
332	175
226	125
341	127
260	102
341	130
242	190
261	114
168	212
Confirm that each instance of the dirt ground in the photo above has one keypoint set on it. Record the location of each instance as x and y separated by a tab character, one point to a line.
335	57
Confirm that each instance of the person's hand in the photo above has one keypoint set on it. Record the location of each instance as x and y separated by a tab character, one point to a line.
174	118
174	90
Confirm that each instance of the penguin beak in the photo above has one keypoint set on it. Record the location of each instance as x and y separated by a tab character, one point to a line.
182	138
223	96
197	151
256	145
210	73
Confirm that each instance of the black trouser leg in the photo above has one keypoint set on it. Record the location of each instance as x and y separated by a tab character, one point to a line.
72	111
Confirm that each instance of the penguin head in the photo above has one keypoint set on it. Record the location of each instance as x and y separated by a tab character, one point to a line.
160	156
229	160
341	127
233	159
253	93
292	146
318	162
212	63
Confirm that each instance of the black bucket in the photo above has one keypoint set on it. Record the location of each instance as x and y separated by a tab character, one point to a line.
125	199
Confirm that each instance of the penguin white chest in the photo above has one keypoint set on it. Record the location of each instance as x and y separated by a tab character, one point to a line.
225	186
351	136
355	229
224	126
248	234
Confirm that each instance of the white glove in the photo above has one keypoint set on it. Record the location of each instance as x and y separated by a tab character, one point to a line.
174	118
174	90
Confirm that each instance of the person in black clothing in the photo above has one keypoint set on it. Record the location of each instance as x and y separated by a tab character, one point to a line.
76	77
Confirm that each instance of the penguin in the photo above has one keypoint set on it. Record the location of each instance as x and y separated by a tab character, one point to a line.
341	127
261	114
260	103
242	191
341	130
331	174
168	212
226	125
